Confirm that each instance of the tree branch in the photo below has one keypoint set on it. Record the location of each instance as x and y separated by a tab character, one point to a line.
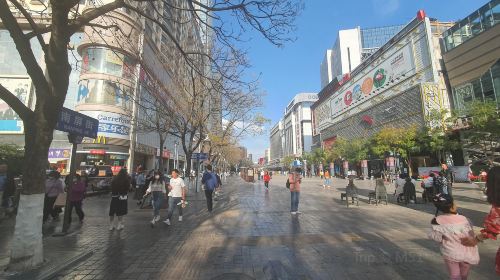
23	47
32	23
22	110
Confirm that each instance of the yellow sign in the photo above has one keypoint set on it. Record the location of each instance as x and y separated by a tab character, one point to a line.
99	140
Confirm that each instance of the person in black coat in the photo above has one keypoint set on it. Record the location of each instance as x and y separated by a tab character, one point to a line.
119	197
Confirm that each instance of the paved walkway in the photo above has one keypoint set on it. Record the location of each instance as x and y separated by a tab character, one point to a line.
251	235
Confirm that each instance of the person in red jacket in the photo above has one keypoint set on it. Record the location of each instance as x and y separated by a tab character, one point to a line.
267	178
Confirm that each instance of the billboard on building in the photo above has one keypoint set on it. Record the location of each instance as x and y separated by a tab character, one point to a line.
10	122
367	86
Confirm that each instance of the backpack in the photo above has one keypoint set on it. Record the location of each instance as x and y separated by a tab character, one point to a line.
287	183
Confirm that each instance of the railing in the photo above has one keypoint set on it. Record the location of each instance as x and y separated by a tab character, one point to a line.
476	23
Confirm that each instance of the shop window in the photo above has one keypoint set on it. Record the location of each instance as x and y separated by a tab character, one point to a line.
475	24
487	84
495	9
478	91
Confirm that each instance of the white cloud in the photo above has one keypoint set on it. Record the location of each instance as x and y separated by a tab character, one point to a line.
385	7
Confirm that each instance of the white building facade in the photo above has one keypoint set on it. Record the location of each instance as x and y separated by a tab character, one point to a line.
292	135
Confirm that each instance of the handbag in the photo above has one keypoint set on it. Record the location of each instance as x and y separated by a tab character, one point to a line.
123	197
60	200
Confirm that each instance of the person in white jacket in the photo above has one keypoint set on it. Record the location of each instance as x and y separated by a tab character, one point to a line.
158	192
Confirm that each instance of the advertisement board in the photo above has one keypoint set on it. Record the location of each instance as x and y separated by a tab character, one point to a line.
380	77
111	124
10	122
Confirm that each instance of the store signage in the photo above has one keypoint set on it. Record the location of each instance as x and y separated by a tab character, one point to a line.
97	152
111	124
199	156
59	153
99	140
78	124
166	153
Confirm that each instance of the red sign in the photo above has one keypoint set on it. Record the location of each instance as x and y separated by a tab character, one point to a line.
97	152
367	119
116	168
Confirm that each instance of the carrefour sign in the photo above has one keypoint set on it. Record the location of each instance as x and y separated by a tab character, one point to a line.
111	124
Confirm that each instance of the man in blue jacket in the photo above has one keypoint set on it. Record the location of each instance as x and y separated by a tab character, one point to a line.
209	179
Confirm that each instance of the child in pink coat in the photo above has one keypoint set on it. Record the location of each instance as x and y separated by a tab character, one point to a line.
448	229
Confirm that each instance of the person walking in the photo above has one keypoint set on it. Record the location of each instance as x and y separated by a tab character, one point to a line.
158	192
449	229
118	206
294	180
267	178
140	185
491	225
218	188
328	181
53	187
210	181
76	196
176	196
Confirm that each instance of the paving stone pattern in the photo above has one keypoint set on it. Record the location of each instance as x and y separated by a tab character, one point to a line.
252	235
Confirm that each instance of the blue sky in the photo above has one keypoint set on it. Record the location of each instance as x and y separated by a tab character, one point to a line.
295	68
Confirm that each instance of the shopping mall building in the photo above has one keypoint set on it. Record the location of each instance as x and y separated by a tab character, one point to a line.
397	86
112	72
472	59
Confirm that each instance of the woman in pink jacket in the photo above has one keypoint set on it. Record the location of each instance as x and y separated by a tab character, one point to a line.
76	196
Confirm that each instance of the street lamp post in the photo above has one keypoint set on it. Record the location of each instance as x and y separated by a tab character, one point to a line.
176	161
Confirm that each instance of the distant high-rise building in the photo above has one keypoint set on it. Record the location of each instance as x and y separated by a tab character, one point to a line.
326	69
243	153
351	48
250	157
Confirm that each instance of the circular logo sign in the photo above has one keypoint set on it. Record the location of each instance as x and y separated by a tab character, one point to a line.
379	78
356	93
367	86
348	98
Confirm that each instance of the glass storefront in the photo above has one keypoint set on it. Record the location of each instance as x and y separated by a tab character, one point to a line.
486	88
482	19
107	61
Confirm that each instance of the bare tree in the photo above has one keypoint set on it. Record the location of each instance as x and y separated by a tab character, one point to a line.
61	19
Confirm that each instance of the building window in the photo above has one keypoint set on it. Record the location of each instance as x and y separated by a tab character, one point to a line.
475	24
106	61
487	85
495	9
495	74
478	91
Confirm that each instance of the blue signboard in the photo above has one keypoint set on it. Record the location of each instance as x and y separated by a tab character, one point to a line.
76	123
199	156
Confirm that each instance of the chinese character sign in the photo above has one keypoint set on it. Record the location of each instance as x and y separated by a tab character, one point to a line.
76	123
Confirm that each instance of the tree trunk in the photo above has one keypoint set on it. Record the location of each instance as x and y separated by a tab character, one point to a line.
27	244
160	161
188	162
